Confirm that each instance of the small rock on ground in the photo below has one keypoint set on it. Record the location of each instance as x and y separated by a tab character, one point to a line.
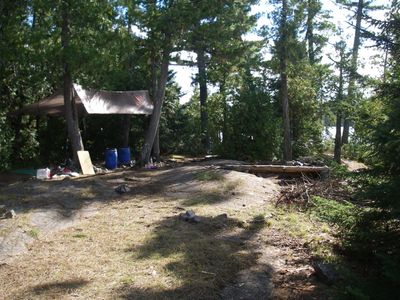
189	216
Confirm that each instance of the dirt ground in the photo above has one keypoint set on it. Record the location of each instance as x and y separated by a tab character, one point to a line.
353	165
79	239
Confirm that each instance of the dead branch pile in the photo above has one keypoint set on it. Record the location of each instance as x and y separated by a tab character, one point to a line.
301	190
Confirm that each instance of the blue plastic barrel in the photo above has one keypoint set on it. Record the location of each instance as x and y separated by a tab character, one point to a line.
124	156
111	157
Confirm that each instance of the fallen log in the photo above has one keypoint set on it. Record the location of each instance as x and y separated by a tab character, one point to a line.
280	169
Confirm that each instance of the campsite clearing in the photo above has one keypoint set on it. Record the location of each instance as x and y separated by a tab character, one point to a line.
79	239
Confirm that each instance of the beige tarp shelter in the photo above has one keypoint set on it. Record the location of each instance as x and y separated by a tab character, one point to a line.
89	101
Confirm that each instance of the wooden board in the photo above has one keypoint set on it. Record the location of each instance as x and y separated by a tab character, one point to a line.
86	163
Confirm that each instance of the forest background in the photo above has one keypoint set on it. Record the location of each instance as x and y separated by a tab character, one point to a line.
121	45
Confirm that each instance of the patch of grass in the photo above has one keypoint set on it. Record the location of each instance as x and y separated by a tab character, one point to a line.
293	223
79	235
323	250
325	228
33	233
209	176
343	214
315	234
127	280
230	186
261	219
205	198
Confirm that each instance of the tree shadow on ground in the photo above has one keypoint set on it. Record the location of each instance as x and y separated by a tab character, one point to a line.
54	289
68	196
49	206
205	198
210	255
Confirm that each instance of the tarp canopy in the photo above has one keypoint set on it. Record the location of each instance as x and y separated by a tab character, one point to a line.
89	101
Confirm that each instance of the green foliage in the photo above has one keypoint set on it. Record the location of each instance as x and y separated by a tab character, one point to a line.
172	121
387	132
30	69
244	115
337	170
5	143
343	214
188	134
306	77
375	238
306	117
363	146
244	120
254	129
368	233
377	123
25	50
355	293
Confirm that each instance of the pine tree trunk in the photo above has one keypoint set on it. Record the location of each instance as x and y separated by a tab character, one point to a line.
338	140
346	131
156	146
338	137
126	128
201	65
224	115
310	30
385	65
353	69
71	114
287	146
155	117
